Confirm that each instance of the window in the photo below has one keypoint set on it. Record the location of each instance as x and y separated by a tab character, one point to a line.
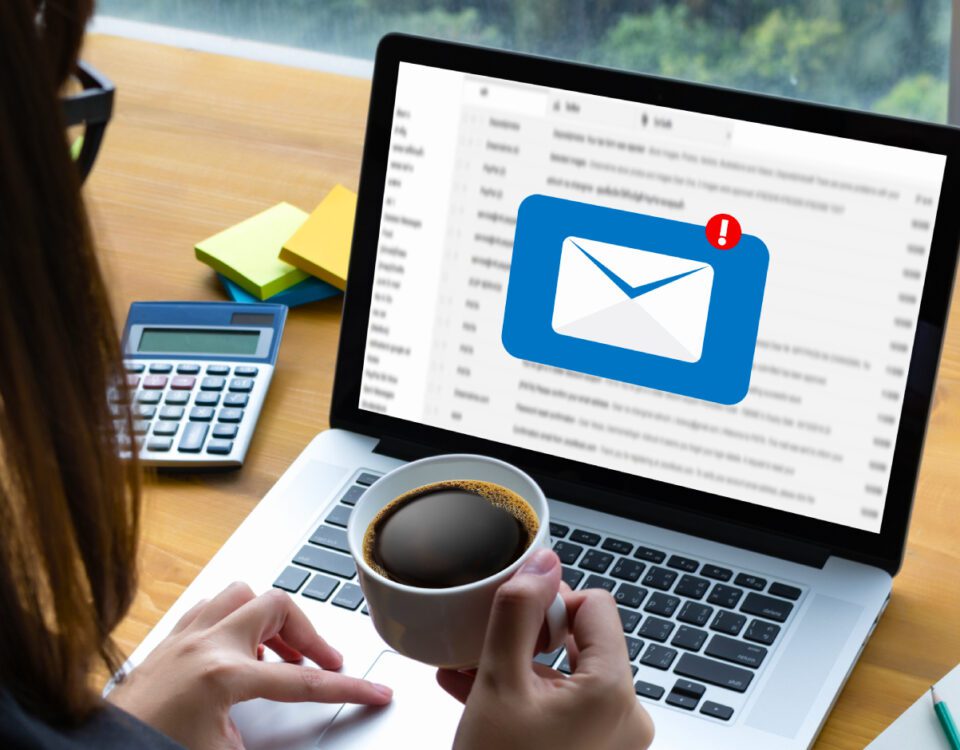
888	56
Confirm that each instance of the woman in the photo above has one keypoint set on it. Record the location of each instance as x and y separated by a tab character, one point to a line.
70	510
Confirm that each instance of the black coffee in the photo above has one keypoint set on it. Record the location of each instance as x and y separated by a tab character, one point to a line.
449	533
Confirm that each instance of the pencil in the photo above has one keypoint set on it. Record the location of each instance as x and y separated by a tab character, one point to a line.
946	720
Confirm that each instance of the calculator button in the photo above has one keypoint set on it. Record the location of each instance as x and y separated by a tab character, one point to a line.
183	382
145	411
161	367
230	415
188	369
245	372
194	433
220	446
149	397
218	370
207	399
133	366
201	414
241	385
177	398
159	444
166	428
140	426
238	400
133	381
212	384
227	431
171	412
155	382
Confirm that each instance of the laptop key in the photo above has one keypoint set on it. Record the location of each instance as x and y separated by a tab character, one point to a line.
633	647
716	710
656	629
690	639
617	545
762	632
320	587
716	572
728	622
683	563
630	596
558	530
349	597
339	516
565	667
599	582
725	596
291	579
658	657
648	690
567	552
787	592
332	537
627	569
650	555
585	537
571	576
738	652
628	619
750	581
695	614
596	561
353	494
367	478
548	659
326	562
766	606
692	587
714	672
659	578
686	694
662	604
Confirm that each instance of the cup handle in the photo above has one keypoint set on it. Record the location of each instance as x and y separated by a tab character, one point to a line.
557	626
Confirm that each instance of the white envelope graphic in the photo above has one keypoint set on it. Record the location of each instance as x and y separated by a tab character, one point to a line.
632	299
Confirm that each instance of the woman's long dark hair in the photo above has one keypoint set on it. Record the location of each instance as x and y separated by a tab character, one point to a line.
68	505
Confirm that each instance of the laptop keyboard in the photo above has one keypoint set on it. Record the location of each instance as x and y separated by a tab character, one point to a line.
697	633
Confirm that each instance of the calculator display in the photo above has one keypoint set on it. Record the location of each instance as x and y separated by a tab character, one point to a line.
198	341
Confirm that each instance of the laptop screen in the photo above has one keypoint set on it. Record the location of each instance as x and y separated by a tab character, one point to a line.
714	303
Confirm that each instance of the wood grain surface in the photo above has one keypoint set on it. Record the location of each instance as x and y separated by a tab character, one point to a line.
199	142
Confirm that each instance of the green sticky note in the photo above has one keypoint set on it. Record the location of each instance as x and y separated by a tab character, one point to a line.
246	253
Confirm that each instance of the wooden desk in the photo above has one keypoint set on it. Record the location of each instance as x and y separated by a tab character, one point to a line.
199	142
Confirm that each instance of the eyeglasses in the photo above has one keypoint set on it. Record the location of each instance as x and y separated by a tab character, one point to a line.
92	108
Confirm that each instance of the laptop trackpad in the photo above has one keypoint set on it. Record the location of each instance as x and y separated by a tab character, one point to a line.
421	711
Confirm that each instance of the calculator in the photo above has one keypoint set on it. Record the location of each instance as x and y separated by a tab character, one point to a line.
197	374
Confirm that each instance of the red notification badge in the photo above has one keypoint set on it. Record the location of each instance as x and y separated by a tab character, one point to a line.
723	232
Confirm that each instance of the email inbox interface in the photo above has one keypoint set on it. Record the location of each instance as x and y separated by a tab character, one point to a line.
674	313
821	293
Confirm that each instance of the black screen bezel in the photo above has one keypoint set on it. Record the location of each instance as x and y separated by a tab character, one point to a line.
629	495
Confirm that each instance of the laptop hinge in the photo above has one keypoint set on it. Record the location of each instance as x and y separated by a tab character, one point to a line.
648	511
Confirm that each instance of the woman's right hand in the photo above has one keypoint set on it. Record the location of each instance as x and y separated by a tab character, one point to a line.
513	703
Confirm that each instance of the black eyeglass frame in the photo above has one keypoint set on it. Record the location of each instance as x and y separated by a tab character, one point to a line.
91	107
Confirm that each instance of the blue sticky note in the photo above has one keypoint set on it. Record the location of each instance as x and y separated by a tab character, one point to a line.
308	290
635	298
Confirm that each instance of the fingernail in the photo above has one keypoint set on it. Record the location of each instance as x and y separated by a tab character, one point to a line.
382	689
336	653
539	563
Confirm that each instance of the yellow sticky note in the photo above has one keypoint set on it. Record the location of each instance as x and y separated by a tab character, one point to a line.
246	253
322	245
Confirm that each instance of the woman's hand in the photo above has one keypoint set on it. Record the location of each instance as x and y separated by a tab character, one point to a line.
514	704
210	661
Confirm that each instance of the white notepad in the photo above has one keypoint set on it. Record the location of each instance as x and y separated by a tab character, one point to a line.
918	726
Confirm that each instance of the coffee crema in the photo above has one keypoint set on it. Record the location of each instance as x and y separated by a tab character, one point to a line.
449	533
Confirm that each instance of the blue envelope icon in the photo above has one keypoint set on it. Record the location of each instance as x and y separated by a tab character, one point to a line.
635	298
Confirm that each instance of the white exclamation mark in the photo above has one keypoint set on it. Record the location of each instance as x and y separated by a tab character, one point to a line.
722	238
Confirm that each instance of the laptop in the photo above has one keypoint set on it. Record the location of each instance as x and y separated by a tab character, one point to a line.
729	432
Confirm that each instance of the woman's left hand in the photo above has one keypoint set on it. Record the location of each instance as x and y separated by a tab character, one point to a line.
187	685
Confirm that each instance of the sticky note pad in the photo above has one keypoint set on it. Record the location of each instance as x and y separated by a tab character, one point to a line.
322	245
246	253
308	290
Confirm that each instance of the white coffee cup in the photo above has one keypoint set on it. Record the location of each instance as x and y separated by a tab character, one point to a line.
444	627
